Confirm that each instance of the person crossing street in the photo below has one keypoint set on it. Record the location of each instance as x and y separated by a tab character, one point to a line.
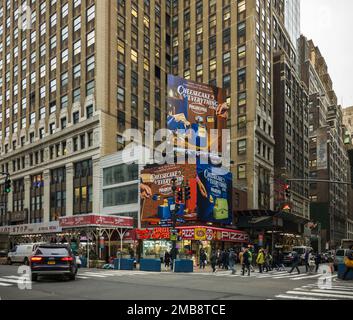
232	260
246	262
260	260
295	262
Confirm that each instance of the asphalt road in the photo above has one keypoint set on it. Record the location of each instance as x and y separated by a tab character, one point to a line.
96	284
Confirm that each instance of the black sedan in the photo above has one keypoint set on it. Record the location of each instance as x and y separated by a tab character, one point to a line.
53	259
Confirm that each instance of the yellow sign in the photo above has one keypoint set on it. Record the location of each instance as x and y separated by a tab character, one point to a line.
200	234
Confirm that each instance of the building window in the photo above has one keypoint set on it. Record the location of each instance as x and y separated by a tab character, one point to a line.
241	147
76	117
241	171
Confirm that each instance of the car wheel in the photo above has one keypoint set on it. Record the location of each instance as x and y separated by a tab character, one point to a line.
72	276
34	277
26	262
9	262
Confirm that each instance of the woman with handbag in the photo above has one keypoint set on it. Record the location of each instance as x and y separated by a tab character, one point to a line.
348	261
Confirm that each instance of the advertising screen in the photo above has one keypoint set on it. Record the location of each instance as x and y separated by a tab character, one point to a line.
210	194
157	194
193	110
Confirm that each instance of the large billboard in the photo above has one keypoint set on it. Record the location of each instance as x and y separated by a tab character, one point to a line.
193	110
210	191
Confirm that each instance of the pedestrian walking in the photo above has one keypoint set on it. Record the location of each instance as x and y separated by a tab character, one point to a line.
307	260
281	266
213	261
231	260
173	255
348	261
225	260
317	262
166	260
246	262
219	258
295	262
260	260
203	259
268	261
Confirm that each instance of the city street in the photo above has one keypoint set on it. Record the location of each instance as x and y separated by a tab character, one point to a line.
139	285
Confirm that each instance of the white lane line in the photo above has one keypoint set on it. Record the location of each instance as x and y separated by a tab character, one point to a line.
307	293
332	291
285	296
314	286
12	277
5	284
11	280
308	277
288	276
94	275
81	277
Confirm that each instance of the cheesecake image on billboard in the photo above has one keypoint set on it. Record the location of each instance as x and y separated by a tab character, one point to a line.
193	110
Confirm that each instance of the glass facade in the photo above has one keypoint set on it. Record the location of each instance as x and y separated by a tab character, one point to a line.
292	19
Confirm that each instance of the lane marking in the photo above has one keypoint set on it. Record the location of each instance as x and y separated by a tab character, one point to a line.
5	284
320	294
285	296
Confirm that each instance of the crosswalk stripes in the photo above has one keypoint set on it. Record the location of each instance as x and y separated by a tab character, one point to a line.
315	292
8	281
268	275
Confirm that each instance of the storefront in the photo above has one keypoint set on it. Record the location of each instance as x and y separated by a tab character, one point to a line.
269	229
99	236
156	241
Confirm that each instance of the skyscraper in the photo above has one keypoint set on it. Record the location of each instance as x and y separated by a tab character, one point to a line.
292	19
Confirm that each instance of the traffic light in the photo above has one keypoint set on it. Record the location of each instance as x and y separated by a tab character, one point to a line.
179	195
7	185
187	192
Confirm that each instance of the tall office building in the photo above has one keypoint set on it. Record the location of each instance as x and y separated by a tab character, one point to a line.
292	20
233	49
291	128
73	75
327	155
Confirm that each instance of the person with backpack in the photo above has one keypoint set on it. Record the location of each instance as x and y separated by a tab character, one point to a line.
348	261
246	261
295	262
231	260
260	260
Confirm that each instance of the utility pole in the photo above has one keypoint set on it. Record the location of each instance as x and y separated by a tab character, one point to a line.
173	209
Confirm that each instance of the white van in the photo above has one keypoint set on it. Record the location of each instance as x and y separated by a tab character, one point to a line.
21	253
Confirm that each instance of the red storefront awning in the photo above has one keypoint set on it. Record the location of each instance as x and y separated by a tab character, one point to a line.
99	221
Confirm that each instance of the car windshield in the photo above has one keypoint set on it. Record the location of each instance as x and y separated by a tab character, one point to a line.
52	251
299	250
340	253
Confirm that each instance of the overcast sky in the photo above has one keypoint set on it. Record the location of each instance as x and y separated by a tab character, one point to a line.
329	24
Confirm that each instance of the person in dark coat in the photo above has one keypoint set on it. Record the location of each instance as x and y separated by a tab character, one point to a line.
166	259
317	262
295	262
203	259
213	261
225	259
246	262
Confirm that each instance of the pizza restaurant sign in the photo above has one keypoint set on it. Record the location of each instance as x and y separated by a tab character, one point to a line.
96	220
194	233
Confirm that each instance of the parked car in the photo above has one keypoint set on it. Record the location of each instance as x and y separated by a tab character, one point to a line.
339	257
53	259
21	253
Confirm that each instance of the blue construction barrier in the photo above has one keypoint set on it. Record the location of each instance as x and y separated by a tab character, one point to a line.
150	265
183	265
125	264
342	270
